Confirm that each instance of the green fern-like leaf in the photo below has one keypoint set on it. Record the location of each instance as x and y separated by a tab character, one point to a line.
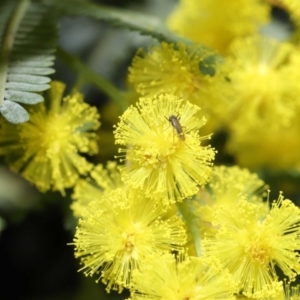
144	24
28	37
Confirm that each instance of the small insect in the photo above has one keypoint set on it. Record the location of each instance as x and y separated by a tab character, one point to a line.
177	126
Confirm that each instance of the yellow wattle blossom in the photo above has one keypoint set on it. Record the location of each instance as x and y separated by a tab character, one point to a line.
164	160
102	180
226	186
259	78
260	149
254	137
250	244
121	230
217	23
183	71
165	278
291	292
45	150
288	292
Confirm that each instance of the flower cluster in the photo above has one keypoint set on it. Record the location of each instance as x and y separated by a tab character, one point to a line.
166	223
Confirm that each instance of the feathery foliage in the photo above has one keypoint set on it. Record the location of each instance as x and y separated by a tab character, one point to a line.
144	24
27	43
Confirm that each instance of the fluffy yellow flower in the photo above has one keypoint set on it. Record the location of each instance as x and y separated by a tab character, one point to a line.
288	293
271	117
217	23
260	149
45	150
259	77
291	292
122	229
164	156
183	71
251	244
102	180
226	186
165	278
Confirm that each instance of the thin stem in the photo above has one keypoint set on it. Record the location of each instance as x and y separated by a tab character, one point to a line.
93	77
190	219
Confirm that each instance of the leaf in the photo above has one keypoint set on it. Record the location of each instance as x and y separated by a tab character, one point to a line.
14	112
28	36
144	24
